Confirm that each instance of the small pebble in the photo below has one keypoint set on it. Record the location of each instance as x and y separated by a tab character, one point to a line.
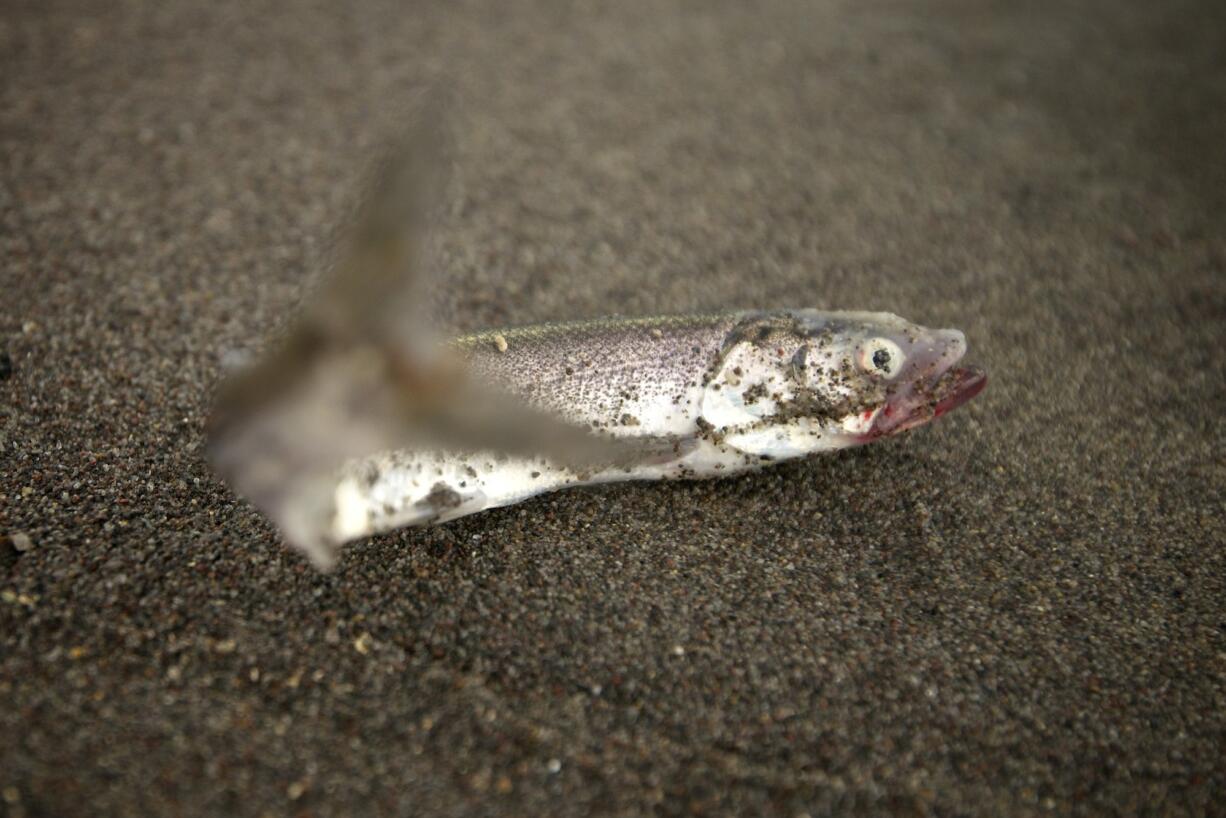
21	541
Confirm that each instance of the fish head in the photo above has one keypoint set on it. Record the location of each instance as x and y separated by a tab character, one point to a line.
802	381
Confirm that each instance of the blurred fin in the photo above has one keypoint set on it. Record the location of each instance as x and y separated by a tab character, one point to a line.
360	370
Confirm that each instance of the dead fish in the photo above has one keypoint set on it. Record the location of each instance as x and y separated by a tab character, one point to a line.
690	396
359	421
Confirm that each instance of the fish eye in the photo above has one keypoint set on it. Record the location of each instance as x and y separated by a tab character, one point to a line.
882	356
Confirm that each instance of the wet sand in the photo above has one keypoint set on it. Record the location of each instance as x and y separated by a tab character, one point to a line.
1015	611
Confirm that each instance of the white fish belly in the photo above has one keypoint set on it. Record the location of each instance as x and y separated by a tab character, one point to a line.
398	489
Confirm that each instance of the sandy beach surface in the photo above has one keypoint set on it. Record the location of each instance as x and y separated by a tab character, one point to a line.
1016	611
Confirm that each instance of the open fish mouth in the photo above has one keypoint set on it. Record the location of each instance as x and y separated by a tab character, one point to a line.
956	387
926	400
933	384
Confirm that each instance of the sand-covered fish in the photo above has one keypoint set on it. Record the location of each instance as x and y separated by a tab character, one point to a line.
359	421
690	396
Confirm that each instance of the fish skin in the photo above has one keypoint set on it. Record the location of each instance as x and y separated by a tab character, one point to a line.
703	396
609	373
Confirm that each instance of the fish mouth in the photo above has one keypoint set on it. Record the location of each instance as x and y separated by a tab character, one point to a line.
927	400
934	383
956	387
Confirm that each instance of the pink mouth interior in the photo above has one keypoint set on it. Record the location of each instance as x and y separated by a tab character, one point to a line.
946	393
959	386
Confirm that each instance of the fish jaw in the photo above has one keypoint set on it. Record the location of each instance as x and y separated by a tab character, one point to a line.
936	386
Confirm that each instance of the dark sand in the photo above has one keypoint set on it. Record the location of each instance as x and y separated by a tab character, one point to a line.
1019	610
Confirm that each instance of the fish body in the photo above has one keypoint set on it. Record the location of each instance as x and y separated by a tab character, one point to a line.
355	420
693	396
